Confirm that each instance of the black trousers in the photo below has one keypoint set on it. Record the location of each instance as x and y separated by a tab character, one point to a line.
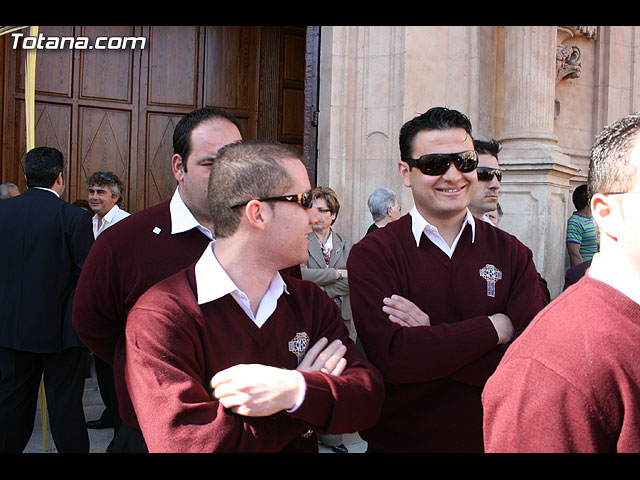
64	375
104	375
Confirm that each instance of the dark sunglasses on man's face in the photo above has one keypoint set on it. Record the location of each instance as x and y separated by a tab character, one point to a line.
487	173
303	199
438	163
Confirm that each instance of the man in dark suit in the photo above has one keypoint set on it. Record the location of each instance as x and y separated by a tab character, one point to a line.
43	245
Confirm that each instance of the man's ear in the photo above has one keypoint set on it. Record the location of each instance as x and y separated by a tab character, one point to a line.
607	214
178	167
404	169
258	214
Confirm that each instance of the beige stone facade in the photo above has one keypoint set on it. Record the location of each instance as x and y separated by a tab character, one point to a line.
543	91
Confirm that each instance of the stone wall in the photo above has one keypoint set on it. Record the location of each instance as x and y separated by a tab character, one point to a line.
543	91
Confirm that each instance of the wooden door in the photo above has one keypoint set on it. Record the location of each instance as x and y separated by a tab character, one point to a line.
116	110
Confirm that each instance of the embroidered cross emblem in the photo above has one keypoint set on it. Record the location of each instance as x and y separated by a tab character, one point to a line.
298	345
491	274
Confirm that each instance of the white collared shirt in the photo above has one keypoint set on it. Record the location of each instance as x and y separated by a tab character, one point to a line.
420	225
48	190
212	283
182	220
112	217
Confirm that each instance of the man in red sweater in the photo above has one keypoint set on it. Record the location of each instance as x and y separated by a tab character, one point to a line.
147	247
228	355
571	382
455	291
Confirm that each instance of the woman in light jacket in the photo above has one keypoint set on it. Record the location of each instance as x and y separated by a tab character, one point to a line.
327	267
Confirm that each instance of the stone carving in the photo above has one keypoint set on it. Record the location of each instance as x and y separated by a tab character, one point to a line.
568	64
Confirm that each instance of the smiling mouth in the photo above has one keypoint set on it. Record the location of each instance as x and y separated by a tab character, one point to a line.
451	190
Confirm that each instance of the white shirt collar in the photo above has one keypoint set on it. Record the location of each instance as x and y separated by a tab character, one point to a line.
213	282
112	216
182	220
48	190
420	225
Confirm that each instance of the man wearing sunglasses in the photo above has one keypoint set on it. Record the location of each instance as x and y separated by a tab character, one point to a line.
489	174
230	356
146	247
437	295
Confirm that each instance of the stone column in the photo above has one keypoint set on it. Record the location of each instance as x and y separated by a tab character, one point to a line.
536	182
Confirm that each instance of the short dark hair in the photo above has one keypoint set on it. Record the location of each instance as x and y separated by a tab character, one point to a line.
487	147
581	197
42	165
610	167
243	171
182	132
436	118
109	179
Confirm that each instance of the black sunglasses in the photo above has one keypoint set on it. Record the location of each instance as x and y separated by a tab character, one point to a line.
303	199
438	163
487	173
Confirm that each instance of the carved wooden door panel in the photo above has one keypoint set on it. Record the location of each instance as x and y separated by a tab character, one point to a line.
116	109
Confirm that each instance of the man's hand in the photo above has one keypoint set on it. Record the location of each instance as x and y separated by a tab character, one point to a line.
503	326
404	312
256	390
325	357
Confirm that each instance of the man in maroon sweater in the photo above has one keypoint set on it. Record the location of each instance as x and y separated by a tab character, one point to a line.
228	355
147	247
571	382
455	291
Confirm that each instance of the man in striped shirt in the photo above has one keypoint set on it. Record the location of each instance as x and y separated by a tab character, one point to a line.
582	242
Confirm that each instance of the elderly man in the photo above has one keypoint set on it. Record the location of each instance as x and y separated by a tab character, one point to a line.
384	207
570	382
9	190
229	355
455	292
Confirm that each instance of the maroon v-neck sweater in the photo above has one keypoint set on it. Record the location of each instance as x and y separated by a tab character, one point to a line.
124	262
571	381
434	375
175	346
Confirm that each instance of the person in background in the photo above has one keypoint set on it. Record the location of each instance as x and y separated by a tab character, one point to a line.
582	241
485	199
104	199
384	207
494	216
327	268
8	190
570	382
83	204
43	246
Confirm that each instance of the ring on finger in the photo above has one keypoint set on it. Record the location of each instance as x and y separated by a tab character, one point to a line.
324	370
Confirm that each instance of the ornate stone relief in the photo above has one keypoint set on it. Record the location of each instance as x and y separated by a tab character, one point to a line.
568	61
